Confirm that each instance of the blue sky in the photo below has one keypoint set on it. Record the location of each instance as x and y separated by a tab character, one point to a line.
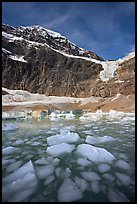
106	28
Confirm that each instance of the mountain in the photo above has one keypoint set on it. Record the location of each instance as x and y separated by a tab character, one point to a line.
42	61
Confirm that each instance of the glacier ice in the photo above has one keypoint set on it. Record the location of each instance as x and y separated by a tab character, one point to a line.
95	186
9	150
68	137
95	154
22	180
59	149
69	192
122	164
44	171
90	176
8	127
103	167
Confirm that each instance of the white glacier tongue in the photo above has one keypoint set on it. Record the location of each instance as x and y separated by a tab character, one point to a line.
68	191
109	70
95	154
111	66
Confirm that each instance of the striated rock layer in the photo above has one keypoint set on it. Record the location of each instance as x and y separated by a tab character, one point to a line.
41	61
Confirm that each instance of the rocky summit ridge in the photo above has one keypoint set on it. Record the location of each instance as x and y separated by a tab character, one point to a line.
42	61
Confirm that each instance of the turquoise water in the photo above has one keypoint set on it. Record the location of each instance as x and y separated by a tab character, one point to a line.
115	183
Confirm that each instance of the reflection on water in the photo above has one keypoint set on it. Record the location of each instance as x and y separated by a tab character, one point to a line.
31	173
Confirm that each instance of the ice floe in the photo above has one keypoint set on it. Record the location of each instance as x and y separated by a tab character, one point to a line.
20	184
69	137
91	116
59	149
61	115
116	196
14	166
68	191
62	173
9	150
49	180
6	127
95	154
125	179
81	183
108	177
103	167
90	176
83	162
122	164
44	171
95	186
18	142
95	140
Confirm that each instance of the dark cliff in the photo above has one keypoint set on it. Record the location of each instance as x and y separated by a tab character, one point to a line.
42	61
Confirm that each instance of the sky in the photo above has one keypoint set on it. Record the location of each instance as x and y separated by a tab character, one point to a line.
106	28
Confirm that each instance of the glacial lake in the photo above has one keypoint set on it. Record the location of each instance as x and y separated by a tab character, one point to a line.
37	169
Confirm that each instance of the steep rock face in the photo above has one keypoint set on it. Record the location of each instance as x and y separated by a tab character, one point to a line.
42	61
123	81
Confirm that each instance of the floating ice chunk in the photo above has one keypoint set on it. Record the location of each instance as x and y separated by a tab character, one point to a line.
35	143
21	180
22	196
122	164
108	177
88	132
83	162
41	161
81	183
62	173
93	140
103	168
67	138
45	171
90	176
116	196
94	153
18	142
49	180
123	156
58	171
6	127
95	186
9	150
55	161
91	116
14	166
125	179
68	191
22	171
59	149
5	162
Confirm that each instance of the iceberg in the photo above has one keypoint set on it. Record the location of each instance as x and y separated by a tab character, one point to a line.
8	127
68	191
93	140
59	149
69	137
22	180
9	150
95	154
